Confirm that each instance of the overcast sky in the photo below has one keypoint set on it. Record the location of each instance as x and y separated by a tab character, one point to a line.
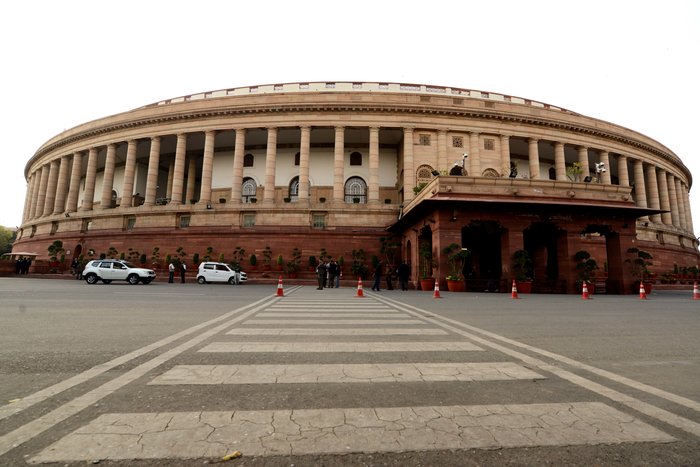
633	63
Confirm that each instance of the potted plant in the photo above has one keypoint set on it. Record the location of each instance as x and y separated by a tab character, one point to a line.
585	265
155	257
523	271
294	265
195	259
55	249
425	252
253	261
639	262
280	262
456	256
267	258
312	263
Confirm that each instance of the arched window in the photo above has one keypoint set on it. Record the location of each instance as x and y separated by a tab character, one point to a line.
491	173
248	189
248	160
297	156
294	188
355	190
424	174
457	170
355	158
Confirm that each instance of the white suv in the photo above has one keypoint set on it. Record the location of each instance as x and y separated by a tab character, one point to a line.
108	270
219	272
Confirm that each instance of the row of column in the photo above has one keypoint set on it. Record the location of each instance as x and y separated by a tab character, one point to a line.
52	189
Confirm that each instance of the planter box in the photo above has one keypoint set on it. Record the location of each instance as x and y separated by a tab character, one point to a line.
455	286
524	286
427	284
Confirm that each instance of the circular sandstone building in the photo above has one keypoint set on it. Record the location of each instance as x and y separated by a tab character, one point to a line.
477	187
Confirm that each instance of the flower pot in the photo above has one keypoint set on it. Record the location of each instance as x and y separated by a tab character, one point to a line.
455	285
427	283
524	286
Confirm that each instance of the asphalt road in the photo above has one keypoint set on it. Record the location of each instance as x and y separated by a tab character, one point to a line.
71	353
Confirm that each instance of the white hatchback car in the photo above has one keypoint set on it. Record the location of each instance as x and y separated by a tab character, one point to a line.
108	270
219	272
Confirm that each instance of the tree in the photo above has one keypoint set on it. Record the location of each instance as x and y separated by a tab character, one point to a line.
7	238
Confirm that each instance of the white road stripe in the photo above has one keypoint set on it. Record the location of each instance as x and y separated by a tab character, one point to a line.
336	314
239	331
344	373
196	435
334	321
340	347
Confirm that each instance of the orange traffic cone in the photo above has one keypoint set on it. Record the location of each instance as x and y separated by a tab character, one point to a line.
514	293
360	293
696	293
584	295
642	292
436	293
280	290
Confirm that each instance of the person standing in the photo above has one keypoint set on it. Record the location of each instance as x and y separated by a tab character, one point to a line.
332	273
183	270
377	276
171	273
403	271
321	275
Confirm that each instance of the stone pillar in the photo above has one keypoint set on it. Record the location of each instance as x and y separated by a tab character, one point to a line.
533	154
505	155
605	160
43	183
108	178
409	176
583	160
51	188
152	176
36	179
237	175
688	213
664	200
559	161
89	193
179	169
441	150
474	161
207	166
129	172
60	201
36	197
304	153
191	180
673	198
75	176
373	186
339	165
270	166
640	191
622	172
653	191
28	198
682	216
171	177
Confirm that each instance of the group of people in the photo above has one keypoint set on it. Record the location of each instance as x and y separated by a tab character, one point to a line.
171	272
22	265
403	272
328	274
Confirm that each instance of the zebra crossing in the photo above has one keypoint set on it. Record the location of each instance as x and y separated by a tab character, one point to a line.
326	347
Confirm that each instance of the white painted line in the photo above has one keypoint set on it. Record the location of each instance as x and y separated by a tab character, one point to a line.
28	431
335	332
340	347
197	435
334	321
336	314
344	373
636	404
40	396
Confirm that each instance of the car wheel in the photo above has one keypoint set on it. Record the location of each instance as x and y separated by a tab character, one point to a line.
201	280
91	279
133	279
232	280
106	281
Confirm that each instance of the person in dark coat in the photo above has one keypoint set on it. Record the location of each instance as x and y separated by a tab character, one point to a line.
403	271
321	275
377	276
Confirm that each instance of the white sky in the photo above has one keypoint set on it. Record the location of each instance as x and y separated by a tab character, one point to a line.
633	63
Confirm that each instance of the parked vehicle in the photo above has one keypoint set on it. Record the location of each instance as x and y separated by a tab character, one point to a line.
219	272
108	270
